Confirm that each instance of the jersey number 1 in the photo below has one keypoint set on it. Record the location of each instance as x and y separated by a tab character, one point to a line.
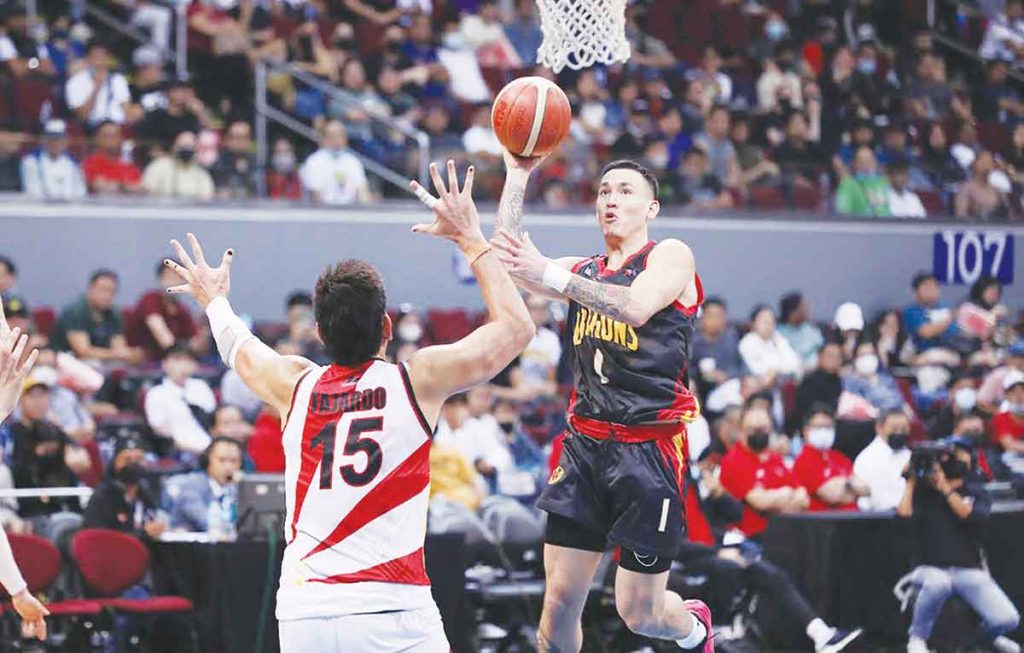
354	443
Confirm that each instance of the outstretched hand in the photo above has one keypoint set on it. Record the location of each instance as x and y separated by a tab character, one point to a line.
32	613
521	257
201	281
455	215
13	369
525	163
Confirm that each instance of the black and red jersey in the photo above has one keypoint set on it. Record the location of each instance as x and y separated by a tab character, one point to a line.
630	375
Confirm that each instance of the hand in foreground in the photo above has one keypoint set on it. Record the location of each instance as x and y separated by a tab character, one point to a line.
201	281
32	613
455	215
521	257
13	369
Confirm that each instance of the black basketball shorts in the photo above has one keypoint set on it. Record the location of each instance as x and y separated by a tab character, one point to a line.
607	493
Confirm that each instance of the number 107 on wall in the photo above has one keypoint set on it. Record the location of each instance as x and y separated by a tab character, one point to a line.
963	257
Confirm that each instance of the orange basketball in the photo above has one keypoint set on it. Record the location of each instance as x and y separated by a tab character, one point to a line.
531	116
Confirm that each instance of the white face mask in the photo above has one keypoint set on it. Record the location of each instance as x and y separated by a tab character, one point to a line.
866	364
966	399
822	437
410	332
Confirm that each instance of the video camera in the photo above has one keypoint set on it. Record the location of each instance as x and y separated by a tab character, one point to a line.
924	457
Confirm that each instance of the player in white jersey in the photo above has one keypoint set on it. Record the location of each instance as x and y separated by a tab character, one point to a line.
357	437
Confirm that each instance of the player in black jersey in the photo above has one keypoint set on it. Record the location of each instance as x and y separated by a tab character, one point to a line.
619	481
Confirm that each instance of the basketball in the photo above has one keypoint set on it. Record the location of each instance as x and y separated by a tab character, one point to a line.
531	116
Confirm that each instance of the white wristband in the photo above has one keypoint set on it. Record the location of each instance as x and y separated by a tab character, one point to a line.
556	277
229	332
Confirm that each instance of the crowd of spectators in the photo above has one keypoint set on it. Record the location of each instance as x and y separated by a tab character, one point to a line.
819	106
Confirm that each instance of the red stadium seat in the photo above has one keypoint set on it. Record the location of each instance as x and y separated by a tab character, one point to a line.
44	318
807	198
448	325
39	562
32	100
767	197
932	202
731	28
992	136
110	562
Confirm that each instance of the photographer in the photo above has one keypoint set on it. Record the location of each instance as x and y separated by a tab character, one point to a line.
949	506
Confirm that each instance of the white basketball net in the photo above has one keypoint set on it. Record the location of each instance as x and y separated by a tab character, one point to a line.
581	33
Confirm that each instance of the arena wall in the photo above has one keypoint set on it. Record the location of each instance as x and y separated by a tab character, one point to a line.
747	260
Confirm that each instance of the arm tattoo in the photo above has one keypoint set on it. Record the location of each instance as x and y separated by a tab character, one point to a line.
613	301
510	209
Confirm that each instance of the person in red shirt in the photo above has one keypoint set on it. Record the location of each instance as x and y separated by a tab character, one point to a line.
160	320
105	171
1008	426
758	477
827	474
264	444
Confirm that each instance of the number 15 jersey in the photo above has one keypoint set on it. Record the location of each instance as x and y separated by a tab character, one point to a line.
357	473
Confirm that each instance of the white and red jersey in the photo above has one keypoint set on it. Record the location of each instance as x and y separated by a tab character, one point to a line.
357	472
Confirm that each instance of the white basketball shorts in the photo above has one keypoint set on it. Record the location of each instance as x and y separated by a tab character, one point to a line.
407	631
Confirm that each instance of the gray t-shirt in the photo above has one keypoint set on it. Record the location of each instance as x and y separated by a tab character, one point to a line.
720	153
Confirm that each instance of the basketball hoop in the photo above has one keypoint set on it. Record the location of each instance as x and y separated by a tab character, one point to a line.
581	33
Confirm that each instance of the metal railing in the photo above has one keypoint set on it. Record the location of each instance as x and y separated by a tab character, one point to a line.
265	112
179	55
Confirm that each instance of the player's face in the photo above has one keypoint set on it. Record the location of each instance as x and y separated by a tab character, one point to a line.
624	203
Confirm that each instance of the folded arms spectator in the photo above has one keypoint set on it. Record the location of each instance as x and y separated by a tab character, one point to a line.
91	327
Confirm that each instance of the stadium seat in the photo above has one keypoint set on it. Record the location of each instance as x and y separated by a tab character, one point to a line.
731	28
44	318
767	197
448	325
932	202
807	198
992	136
32	102
39	562
110	562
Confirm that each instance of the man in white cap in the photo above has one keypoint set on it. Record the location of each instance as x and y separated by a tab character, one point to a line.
49	172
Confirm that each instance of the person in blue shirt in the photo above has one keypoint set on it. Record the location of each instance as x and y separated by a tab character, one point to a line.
930	323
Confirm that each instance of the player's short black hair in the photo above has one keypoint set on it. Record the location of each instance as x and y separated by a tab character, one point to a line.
349	306
819	408
627	164
103	273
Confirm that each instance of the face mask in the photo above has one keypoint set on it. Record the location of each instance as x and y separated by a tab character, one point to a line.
898	440
185	154
867	66
507	427
775	30
758	441
966	399
866	365
954	468
821	437
410	332
284	162
1016	409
